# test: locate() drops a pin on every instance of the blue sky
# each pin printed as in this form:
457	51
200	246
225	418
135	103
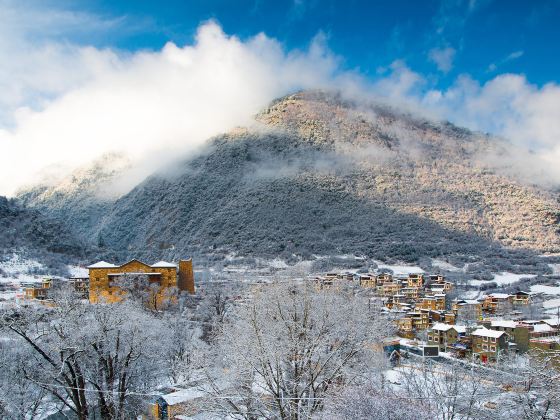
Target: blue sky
484	37
80	79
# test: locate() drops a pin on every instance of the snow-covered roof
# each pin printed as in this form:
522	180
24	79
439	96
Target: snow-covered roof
183	395
471	302
499	295
460	329
163	264
484	332
102	264
503	324
439	326
552	322
542	328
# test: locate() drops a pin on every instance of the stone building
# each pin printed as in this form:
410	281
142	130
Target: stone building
103	277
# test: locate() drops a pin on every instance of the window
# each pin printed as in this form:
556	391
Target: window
484	347
493	339
436	339
492	348
484	338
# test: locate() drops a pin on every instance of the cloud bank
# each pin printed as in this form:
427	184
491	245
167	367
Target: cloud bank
66	105
152	106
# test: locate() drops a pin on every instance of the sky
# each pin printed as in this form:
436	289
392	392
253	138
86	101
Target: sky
83	78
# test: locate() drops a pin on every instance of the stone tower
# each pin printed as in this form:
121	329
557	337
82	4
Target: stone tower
186	276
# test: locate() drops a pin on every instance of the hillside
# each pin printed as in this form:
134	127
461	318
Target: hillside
321	175
31	235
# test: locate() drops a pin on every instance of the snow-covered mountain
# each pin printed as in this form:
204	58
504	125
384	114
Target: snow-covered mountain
320	175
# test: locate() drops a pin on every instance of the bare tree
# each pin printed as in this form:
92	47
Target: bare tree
370	402
286	348
184	349
18	397
451	390
534	385
90	358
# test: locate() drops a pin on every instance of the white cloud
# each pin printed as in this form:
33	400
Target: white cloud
510	57
443	58
515	55
526	115
153	106
66	105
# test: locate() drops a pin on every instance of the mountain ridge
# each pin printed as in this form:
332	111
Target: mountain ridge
311	154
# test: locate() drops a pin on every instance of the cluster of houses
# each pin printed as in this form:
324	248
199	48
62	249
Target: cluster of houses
492	337
424	311
104	281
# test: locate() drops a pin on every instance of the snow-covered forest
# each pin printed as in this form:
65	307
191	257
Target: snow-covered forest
279	350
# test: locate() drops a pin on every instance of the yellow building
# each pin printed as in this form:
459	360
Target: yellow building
384	278
388	289
433	303
496	301
368	281
415	280
38	292
103	275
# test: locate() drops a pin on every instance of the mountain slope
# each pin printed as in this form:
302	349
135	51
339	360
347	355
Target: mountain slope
321	175
28	232
82	199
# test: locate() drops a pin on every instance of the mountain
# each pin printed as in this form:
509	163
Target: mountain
81	199
30	234
319	174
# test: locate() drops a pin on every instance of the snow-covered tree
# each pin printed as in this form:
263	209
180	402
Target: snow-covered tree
90	358
286	348
370	402
451	390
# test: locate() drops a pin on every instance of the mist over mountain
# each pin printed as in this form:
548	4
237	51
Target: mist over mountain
317	175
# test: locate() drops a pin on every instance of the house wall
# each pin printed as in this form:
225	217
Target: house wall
100	286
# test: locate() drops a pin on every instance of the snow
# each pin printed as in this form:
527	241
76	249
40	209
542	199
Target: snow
484	332
163	264
555	269
509	278
444	265
504	324
542	328
499	295
278	263
401	269
503	278
441	327
76	271
471	294
547	290
184	395
102	264
552	303
392	376
17	269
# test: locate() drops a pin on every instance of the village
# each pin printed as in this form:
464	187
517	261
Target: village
429	321
427	311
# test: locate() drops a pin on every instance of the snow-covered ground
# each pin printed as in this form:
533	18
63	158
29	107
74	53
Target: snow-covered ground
76	271
555	269
502	279
444	265
401	269
17	269
547	290
552	305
